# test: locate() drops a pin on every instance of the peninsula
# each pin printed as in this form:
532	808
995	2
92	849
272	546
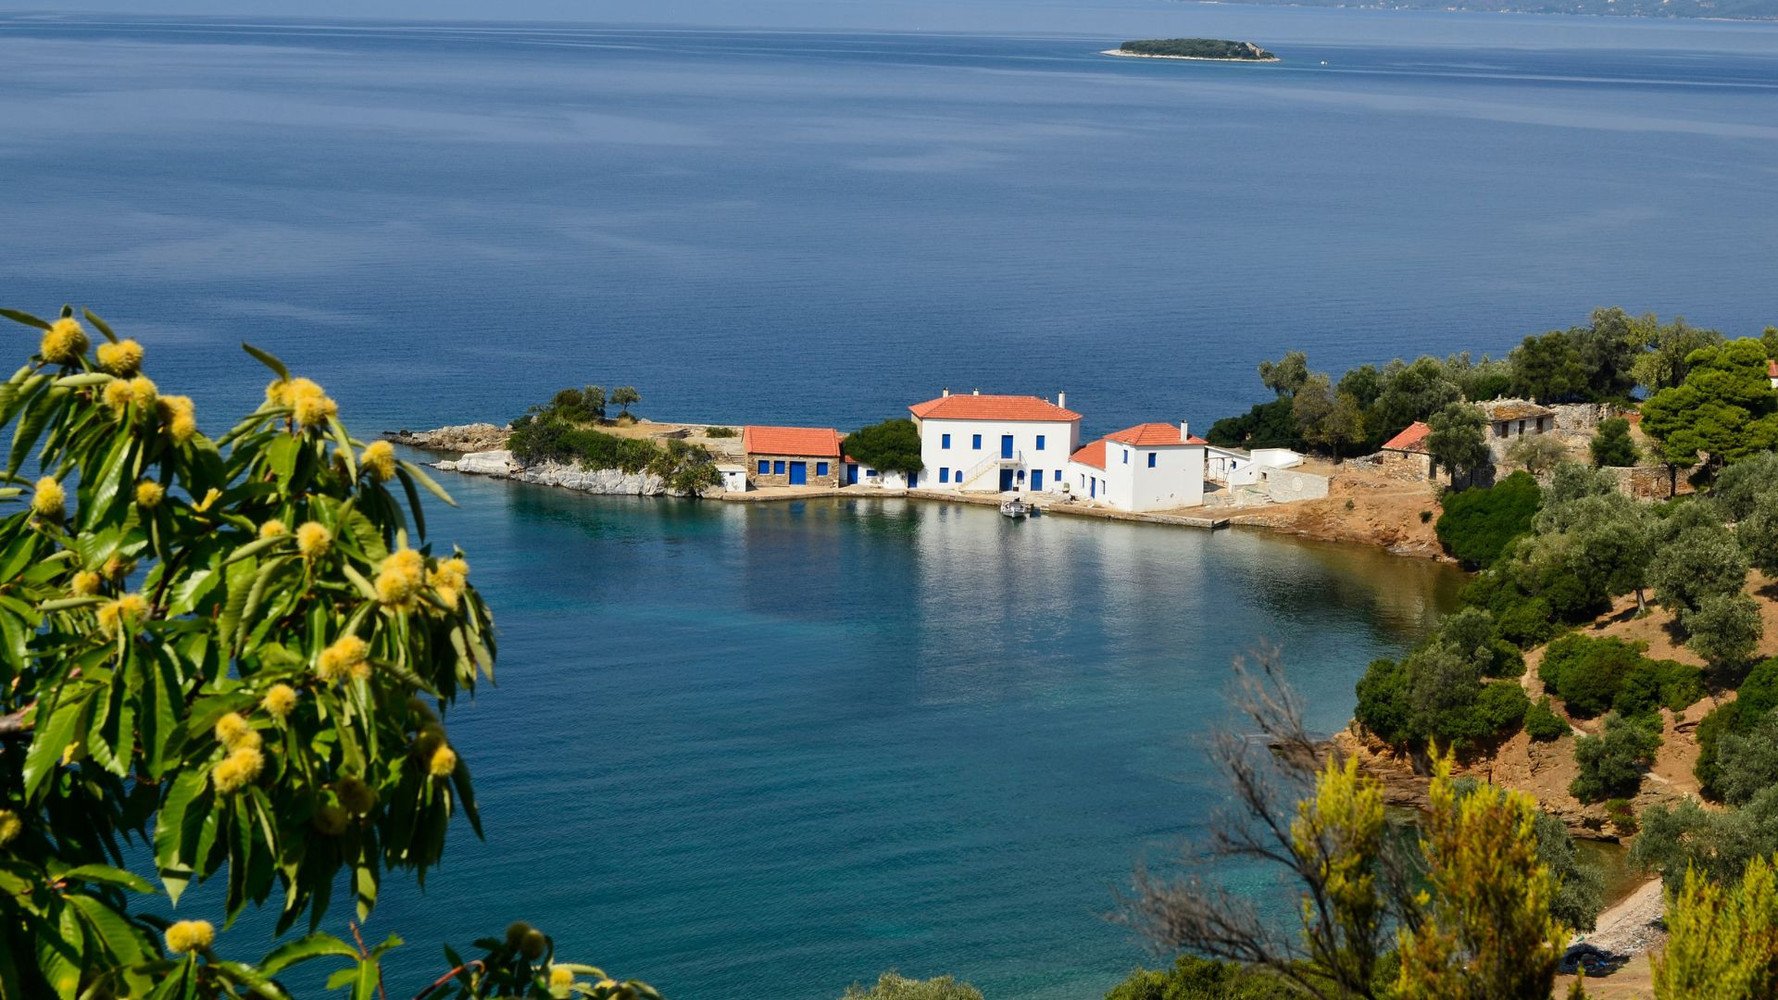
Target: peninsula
1203	49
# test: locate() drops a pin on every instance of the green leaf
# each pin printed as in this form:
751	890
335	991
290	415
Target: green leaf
171	830
304	949
106	875
99	324
432	487
25	318
265	358
52	738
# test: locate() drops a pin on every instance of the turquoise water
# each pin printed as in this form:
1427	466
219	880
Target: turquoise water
772	749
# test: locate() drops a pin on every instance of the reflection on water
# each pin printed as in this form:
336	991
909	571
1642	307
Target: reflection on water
799	743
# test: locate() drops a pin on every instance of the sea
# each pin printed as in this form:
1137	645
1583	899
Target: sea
770	750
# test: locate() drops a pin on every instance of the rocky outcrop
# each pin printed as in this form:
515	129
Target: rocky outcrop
459	438
500	464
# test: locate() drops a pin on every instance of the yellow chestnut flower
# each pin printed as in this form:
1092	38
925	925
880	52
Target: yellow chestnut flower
49	500
277	392
443	763
187	936
125	611
118	396
238	769
117	567
143	392
357	797
273	528
279	701
313	540
123	358
149	494
379	458
234	732
179	417
10	826
400	578
347	656
561	976
64	342
311	403
85	583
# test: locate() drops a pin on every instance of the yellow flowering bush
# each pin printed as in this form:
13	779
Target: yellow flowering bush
186	672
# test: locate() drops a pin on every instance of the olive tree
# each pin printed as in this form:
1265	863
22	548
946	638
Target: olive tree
239	651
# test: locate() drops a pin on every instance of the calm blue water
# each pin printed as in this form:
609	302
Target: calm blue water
773	750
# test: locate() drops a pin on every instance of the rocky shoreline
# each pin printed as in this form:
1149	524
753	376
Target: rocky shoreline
459	438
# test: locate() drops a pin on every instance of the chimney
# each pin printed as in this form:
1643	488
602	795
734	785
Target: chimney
978	392
1185	431
945	393
1062	400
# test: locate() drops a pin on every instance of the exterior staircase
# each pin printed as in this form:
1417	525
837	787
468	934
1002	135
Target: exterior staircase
992	464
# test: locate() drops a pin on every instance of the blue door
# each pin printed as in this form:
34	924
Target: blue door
1005	480
913	480
799	473
1037	479
851	475
1092	487
1006	446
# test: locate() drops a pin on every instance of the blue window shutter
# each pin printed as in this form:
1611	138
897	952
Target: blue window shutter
976	442
1126	456
778	468
1040	442
945	441
1151	456
764	467
821	467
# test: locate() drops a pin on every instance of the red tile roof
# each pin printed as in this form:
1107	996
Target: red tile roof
1093	454
821	442
972	407
1771	368
1413	438
1153	435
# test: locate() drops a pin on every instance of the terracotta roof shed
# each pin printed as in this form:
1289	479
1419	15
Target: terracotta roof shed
819	442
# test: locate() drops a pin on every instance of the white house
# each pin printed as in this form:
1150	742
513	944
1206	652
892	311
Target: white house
978	443
1141	468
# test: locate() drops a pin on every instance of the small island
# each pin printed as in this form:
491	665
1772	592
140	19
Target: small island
1211	49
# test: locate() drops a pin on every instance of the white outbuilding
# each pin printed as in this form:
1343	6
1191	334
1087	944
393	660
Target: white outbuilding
978	443
1142	468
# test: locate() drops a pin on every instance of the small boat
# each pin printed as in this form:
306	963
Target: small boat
1015	508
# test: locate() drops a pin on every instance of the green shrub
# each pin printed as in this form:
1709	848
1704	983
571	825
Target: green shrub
1612	446
1622	814
1383	702
1612	763
1477	524
1755	700
1580	885
1193	978
1543	724
1435	694
1528	622
893	987
1654	684
721	432
1500	710
1586	672
1747	760
893	445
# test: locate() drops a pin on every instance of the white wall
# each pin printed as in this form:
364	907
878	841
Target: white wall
1225	466
1177	479
1079	479
1060	440
1276	458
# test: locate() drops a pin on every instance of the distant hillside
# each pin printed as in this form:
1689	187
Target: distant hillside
1762	10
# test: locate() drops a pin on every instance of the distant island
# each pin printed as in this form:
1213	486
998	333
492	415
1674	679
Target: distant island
1746	10
1216	49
